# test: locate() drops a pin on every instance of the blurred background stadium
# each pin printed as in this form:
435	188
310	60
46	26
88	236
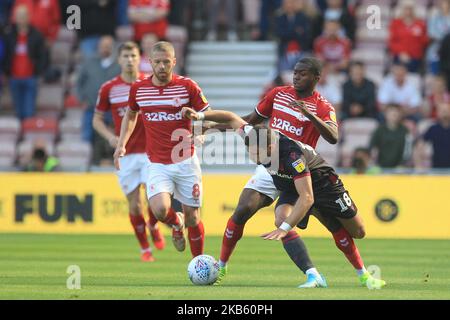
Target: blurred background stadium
386	71
237	50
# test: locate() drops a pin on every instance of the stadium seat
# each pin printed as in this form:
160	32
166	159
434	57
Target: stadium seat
50	97
330	152
7	153
60	53
70	128
9	128
40	128
66	35
124	33
355	133
74	155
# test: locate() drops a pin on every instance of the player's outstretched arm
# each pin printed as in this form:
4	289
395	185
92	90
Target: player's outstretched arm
126	129
219	116
303	204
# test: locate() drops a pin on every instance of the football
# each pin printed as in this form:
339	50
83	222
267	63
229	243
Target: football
203	270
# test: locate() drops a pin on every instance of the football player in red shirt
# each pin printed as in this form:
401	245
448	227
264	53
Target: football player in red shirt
281	107
174	167
113	96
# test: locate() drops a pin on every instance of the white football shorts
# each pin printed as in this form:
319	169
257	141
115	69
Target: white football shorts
182	179
262	182
133	171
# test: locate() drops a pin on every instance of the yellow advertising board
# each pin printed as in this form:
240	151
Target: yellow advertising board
391	206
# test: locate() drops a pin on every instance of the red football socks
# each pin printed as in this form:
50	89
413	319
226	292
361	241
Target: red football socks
345	243
172	218
196	236
233	233
138	224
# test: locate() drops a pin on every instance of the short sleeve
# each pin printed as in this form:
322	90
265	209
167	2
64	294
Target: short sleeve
296	165
327	112
198	100
103	104
132	98
265	106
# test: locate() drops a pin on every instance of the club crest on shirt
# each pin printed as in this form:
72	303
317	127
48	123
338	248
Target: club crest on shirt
299	165
177	102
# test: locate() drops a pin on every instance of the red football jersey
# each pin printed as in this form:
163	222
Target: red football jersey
113	95
161	113
291	122
158	27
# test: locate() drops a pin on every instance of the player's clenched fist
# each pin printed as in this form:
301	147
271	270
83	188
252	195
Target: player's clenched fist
120	152
189	113
300	106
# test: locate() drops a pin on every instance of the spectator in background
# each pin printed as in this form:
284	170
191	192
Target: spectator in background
121	12
42	162
329	89
148	16
438	26
93	73
231	19
388	142
361	162
408	38
439	94
46	17
177	13
98	19
268	8
439	136
251	14
2	56
359	94
332	47
24	61
336	10
399	89
5	11
444	59
293	29
147	42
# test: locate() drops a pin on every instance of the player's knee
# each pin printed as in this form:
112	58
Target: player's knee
160	212
242	214
192	220
135	208
359	233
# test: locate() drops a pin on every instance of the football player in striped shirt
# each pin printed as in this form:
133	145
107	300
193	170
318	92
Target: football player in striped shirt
174	167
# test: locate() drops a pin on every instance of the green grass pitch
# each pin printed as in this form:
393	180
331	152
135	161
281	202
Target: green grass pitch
34	267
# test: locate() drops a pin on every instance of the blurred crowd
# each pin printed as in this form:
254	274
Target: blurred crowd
396	92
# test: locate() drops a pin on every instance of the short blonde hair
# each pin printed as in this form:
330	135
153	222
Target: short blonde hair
163	46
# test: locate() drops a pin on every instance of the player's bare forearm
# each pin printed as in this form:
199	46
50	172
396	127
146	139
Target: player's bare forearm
226	117
126	129
304	202
207	125
301	207
328	130
99	125
253	118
